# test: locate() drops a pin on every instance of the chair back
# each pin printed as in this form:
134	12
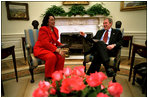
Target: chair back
31	36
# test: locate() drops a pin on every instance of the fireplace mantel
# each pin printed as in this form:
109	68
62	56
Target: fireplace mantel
78	16
80	20
79	23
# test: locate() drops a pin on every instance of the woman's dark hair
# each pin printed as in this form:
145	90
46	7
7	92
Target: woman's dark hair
45	19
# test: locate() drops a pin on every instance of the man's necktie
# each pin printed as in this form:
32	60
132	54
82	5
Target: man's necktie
105	36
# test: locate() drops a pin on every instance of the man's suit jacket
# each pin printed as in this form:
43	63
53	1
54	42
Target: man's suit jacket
115	38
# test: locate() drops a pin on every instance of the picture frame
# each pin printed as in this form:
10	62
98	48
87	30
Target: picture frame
17	11
132	5
75	2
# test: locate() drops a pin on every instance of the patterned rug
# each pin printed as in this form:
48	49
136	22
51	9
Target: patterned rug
23	67
25	72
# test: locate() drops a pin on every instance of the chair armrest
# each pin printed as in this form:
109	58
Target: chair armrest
118	54
63	46
28	46
117	58
88	58
114	61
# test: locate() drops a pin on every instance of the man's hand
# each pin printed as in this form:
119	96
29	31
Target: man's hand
82	33
110	47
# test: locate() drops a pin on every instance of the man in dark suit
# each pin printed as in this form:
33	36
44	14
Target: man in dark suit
109	41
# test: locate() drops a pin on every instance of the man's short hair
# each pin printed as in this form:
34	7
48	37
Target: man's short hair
110	20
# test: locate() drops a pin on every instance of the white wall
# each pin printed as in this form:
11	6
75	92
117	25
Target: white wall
134	22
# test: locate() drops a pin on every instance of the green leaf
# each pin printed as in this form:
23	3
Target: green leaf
63	95
92	94
98	89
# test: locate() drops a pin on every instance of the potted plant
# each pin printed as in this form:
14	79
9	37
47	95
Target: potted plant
56	11
76	10
98	9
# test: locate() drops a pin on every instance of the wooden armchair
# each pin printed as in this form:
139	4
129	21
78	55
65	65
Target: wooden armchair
31	36
141	68
114	61
141	51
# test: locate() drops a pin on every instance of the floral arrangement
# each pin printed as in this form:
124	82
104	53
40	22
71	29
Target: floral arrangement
75	83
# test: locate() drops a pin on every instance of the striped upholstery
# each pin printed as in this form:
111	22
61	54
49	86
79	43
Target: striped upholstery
31	36
88	58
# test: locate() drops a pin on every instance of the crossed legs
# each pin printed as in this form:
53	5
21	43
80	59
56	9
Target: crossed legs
100	57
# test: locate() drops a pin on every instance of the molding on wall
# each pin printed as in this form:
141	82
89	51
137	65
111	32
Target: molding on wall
13	34
134	32
125	32
15	39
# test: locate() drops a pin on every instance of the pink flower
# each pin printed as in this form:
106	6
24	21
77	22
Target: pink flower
102	86
52	91
66	86
74	83
44	85
67	71
115	89
102	95
39	92
79	70
95	79
57	75
92	81
101	76
77	83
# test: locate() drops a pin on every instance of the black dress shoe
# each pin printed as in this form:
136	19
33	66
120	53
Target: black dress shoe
110	72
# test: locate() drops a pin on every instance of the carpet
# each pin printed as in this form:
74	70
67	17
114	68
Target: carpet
25	71
24	88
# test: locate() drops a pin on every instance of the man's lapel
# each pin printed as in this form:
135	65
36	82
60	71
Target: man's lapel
100	34
111	36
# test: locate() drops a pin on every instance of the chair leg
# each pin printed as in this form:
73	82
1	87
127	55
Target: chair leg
84	64
144	85
114	78
118	66
32	76
115	71
2	88
133	83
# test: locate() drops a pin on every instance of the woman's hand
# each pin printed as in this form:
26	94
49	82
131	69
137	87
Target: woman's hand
62	53
82	33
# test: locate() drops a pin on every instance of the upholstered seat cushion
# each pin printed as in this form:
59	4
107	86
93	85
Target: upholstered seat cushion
36	61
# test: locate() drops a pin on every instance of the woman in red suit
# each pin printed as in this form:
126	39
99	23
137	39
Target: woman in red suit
46	46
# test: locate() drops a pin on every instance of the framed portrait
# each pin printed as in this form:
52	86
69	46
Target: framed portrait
17	11
132	5
75	2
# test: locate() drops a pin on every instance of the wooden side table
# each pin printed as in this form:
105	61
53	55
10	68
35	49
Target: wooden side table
5	52
129	38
